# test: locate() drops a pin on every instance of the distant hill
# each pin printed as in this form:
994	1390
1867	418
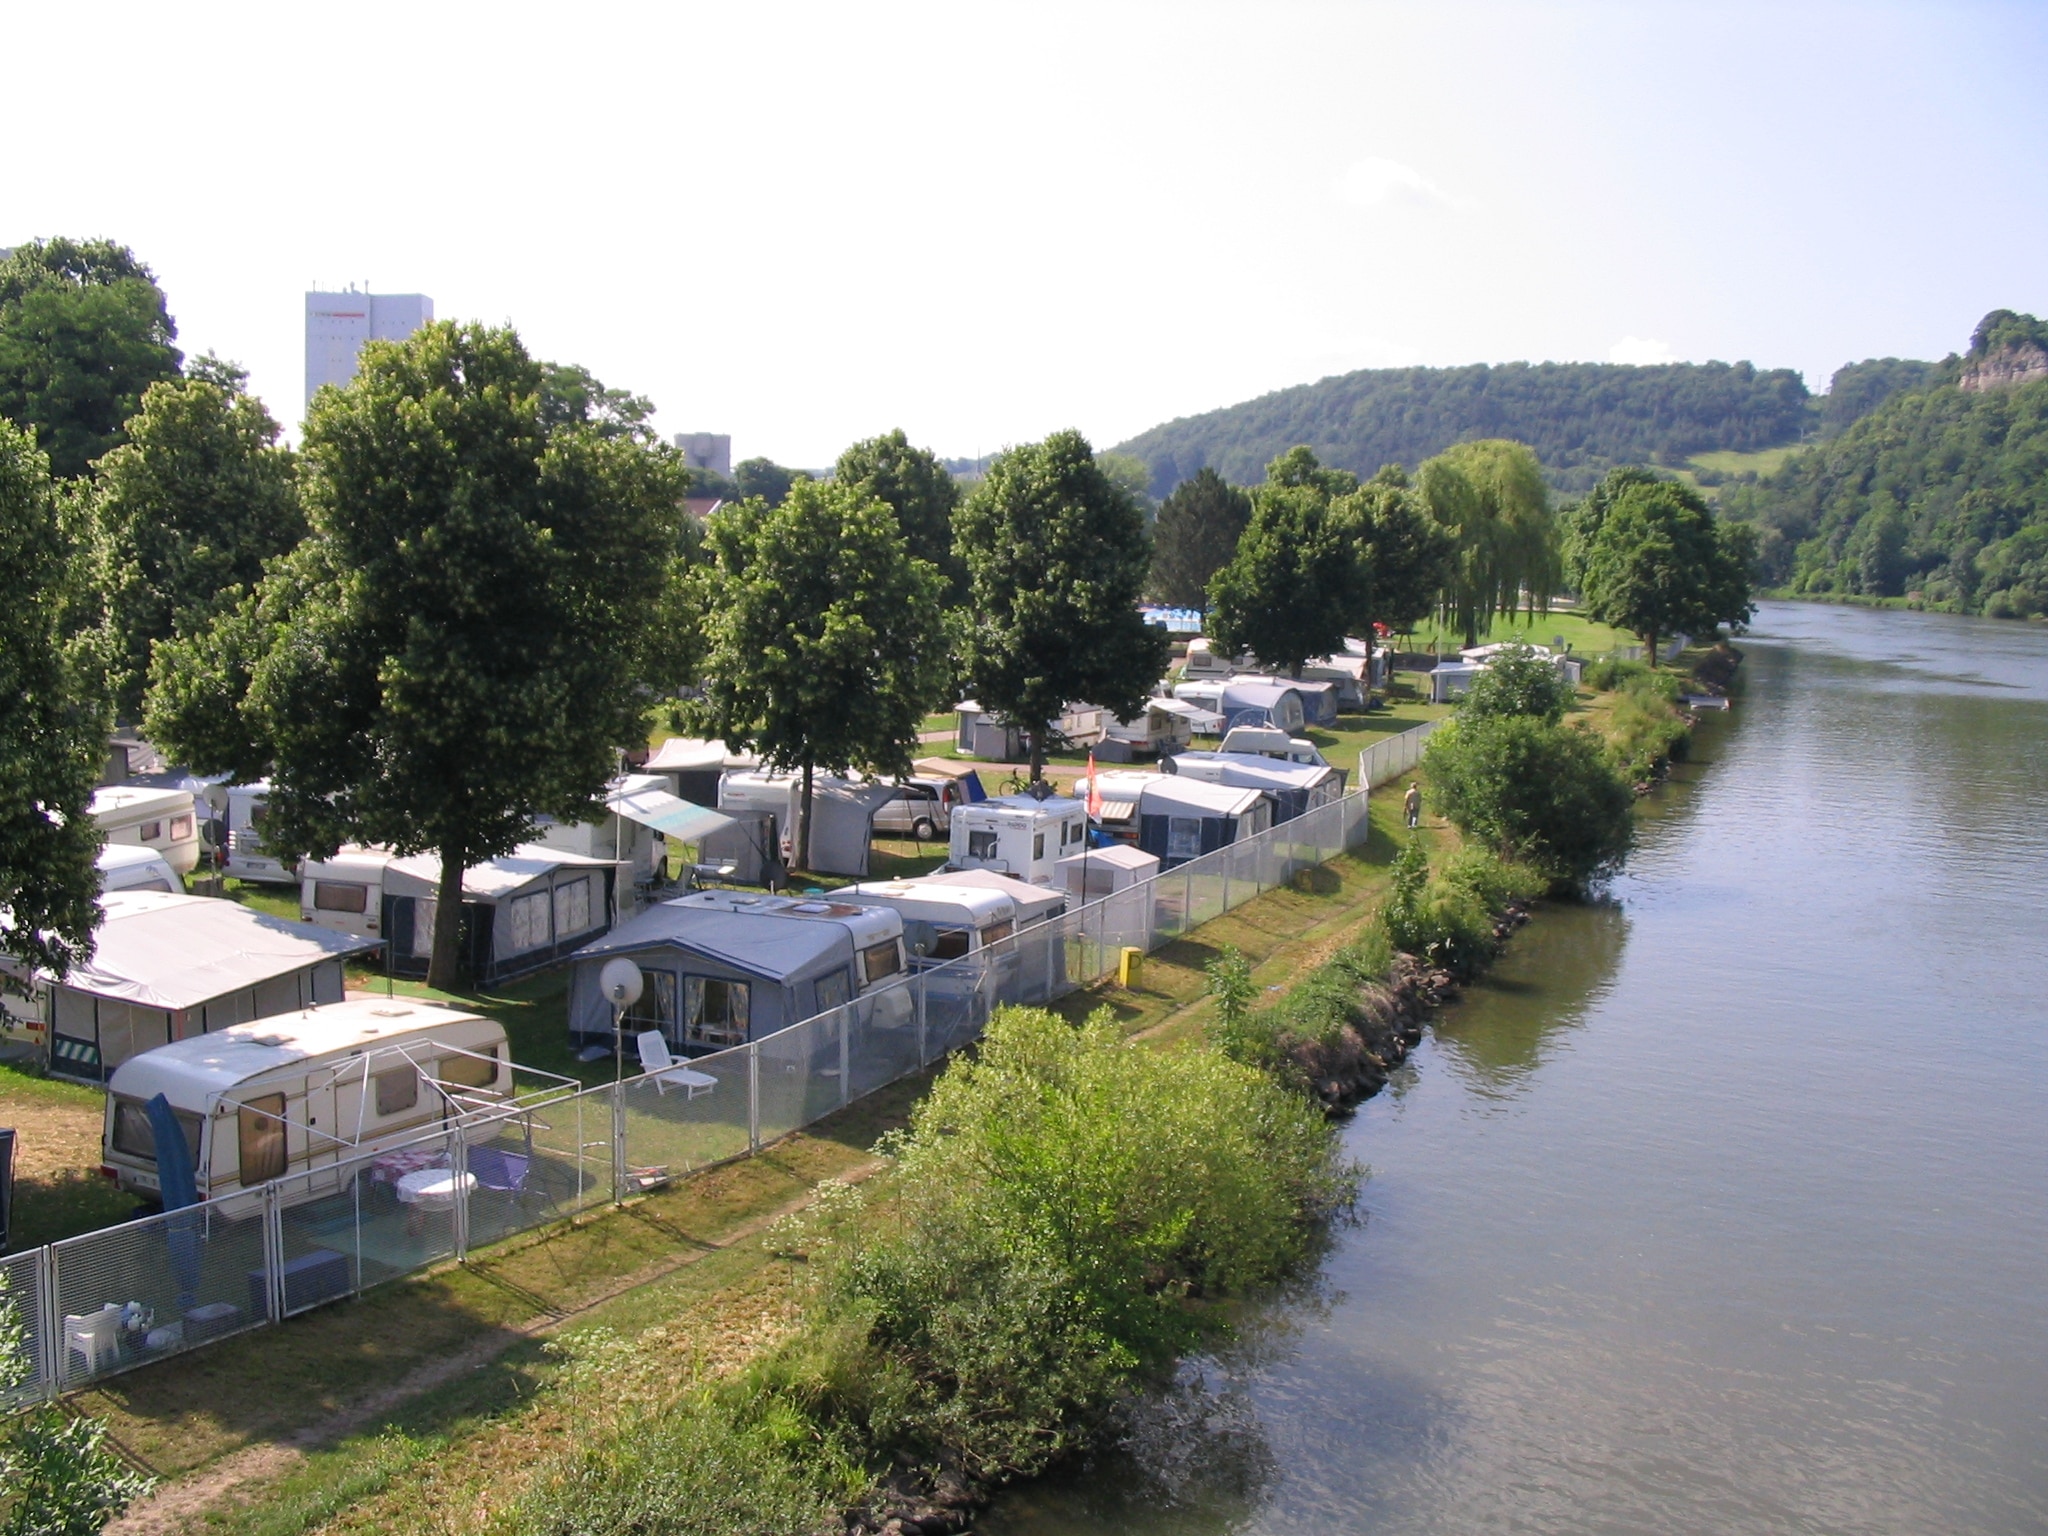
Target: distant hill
1581	418
1939	492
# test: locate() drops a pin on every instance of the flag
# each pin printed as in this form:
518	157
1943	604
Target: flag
1094	789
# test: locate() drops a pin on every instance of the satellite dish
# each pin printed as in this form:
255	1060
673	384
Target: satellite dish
621	982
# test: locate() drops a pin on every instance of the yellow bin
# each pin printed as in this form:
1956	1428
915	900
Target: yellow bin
1129	965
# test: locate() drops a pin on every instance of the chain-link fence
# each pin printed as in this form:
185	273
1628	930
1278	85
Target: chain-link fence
1388	759
107	1301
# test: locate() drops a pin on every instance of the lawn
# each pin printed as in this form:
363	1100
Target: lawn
1584	635
58	1191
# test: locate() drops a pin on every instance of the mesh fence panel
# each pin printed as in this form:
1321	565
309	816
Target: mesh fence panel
799	1075
957	996
21	1300
882	1035
571	1141
687	1118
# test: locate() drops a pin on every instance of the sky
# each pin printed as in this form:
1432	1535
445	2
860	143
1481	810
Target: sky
806	224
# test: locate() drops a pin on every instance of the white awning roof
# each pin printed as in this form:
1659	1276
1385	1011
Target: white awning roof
667	814
177	952
692	752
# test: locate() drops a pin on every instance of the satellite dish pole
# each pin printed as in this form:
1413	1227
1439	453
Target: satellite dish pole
621	983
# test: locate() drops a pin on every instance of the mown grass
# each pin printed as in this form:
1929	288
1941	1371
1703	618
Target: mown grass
1583	634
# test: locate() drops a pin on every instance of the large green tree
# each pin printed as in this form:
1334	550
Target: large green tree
1194	537
1536	792
1299	579
1651	558
1489	496
185	513
459	645
919	490
764	479
1407	551
83	333
826	635
1056	556
52	730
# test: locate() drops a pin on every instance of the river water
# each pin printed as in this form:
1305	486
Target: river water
1719	1208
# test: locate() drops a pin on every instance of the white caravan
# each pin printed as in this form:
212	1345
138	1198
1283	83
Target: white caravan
127	867
1018	835
163	819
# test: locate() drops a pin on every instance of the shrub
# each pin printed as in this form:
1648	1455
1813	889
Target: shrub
1610	673
1517	681
1543	795
1646	726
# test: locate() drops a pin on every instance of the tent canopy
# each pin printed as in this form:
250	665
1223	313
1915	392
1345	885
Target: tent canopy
177	952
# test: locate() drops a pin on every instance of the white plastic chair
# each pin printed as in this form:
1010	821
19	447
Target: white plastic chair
655	1060
96	1335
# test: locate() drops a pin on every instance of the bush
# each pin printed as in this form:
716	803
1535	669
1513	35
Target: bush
1543	795
1646	727
1517	681
1610	673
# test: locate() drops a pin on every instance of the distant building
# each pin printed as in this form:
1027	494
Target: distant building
337	325
707	450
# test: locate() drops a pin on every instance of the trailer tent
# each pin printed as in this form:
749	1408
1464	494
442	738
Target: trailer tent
169	967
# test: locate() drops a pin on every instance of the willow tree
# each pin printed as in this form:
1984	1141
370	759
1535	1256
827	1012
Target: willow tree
460	644
1490	498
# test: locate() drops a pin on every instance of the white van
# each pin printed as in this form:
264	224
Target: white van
1018	835
163	819
129	867
307	1093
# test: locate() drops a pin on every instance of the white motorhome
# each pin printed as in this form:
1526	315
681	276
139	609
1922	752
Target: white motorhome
129	867
244	856
1018	835
163	819
306	1093
940	922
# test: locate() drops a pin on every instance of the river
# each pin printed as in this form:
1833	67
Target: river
1721	1207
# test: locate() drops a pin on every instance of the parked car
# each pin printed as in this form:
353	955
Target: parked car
920	808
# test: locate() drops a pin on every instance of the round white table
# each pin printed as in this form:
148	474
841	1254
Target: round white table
433	1189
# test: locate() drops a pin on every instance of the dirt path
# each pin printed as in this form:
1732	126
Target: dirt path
180	1504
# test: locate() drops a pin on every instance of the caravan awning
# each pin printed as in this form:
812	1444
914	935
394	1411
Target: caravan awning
668	814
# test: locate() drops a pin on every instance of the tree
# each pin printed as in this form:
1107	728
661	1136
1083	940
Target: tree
1056	557
1299	579
57	1478
1490	498
458	647
763	479
1533	792
1407	552
920	491
574	396
185	513
1517	681
826	638
83	332
1194	537
52	732
1653	560
1134	475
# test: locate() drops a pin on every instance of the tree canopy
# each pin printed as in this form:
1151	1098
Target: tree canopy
457	647
1517	681
919	490
573	396
1194	536
1407	552
184	515
1651	558
52	731
826	640
1490	499
1056	556
1299	579
763	479
1533	792
83	332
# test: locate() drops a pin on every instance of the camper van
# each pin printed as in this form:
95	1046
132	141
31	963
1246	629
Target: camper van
303	1093
163	819
920	807
1018	835
243	854
127	867
1264	741
721	968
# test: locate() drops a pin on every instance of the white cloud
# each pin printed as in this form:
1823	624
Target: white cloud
1379	183
1641	349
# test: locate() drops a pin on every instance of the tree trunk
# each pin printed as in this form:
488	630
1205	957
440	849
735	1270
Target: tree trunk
444	970
1652	658
1038	754
803	822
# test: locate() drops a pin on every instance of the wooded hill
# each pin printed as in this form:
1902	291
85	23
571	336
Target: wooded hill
1939	492
1581	418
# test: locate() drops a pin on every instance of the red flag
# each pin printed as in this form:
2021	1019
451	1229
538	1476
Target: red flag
1094	790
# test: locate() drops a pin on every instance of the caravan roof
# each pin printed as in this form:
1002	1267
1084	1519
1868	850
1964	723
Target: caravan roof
938	899
690	752
176	952
1035	903
197	1070
1251	770
492	880
780	937
1166	792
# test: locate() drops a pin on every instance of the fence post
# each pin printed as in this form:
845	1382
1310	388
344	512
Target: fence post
753	1095
845	1055
923	1045
618	1143
458	1165
53	1353
273	1251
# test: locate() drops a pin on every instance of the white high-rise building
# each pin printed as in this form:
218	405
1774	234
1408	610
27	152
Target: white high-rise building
337	325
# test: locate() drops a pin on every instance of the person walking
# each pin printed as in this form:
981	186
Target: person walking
1412	804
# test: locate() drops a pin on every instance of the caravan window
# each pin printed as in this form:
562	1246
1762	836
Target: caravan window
572	906
1071	832
135	1137
880	960
715	1011
398	1090
259	1128
181	828
948	944
1037	846
528	921
981	845
151	831
340	896
995	933
1183	837
478	1071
